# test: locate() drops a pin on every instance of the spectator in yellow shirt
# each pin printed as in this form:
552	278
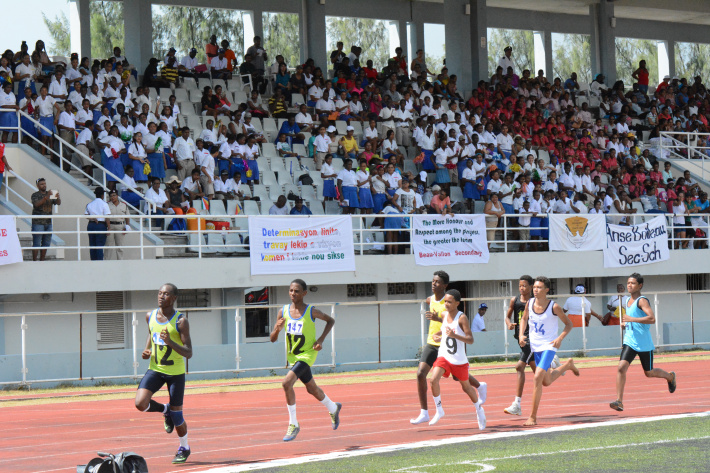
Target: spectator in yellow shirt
349	143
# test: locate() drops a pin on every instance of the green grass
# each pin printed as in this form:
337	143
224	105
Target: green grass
675	445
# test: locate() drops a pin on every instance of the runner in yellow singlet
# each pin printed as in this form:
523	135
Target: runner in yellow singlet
302	346
430	351
167	347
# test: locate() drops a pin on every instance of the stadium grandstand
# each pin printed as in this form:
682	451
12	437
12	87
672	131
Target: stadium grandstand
213	199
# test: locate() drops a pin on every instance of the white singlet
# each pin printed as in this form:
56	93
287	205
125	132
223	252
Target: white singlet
452	349
543	327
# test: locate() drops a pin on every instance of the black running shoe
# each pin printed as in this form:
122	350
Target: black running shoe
168	423
181	455
671	384
617	406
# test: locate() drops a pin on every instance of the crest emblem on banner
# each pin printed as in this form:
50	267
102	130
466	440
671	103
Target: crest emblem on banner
577	230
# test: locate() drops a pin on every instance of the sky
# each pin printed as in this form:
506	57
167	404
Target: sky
13	33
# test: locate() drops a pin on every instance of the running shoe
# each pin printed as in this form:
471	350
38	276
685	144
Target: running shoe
291	433
617	406
513	410
335	417
671	384
481	417
483	392
423	417
168	423
181	455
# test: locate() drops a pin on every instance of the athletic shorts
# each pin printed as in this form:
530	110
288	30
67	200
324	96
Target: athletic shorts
153	381
429	354
525	353
303	371
646	357
458	371
543	359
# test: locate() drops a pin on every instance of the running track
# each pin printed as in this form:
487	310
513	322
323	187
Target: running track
245	427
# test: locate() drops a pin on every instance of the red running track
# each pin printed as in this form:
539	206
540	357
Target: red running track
246	427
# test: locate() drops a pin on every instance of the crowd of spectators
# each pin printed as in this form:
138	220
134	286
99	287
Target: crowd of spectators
414	142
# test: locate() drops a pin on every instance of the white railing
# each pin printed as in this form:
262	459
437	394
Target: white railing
242	346
63	145
9	190
203	242
687	146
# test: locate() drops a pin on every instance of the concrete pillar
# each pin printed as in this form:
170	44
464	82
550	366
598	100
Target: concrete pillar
418	39
603	41
313	43
549	66
80	21
458	53
670	50
138	27
404	40
478	29
258	19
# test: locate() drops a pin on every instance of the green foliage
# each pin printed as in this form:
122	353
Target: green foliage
371	35
523	49
106	28
629	52
59	31
434	63
281	36
186	27
572	53
692	59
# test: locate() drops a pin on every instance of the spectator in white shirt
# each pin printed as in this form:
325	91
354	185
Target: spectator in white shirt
66	126
320	147
219	66
477	323
85	144
156	196
575	305
97	209
184	149
280	207
187	65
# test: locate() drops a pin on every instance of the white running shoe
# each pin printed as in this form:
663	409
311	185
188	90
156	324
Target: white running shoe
423	417
513	410
437	417
481	417
483	392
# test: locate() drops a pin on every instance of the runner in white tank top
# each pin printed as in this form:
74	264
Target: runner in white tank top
455	334
542	315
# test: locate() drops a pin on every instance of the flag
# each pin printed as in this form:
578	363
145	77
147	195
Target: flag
238	210
206	204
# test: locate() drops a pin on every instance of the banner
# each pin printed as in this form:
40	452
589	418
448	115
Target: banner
439	240
637	244
583	232
295	245
10	251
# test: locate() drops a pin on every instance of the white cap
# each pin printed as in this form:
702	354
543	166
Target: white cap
349	128
331	129
422	176
579	289
666	77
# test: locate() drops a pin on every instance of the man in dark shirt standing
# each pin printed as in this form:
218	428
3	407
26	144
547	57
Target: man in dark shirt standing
42	202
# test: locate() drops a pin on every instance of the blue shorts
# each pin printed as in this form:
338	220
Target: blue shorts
543	359
153	381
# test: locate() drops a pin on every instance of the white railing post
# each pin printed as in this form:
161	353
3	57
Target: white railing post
23	327
237	319
655	311
199	237
78	239
505	332
332	336
134	334
140	234
584	329
422	313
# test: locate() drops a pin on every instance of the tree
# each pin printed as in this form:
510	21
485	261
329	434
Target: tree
572	53
281	36
59	31
629	52
186	27
523	46
692	59
106	29
371	35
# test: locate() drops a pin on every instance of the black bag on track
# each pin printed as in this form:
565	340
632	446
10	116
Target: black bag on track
125	462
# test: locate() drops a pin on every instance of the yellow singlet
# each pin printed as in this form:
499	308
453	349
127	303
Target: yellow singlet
439	308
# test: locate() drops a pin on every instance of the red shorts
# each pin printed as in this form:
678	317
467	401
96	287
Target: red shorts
460	371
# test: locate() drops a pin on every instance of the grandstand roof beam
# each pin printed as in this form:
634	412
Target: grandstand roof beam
80	24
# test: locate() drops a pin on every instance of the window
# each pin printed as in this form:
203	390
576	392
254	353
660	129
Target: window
697	282
401	288
362	290
110	328
257	318
193	298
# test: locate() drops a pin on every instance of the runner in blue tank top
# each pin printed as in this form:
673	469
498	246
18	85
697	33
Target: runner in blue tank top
637	340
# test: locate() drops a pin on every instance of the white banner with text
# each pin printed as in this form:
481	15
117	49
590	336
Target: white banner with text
10	251
583	232
441	240
295	245
636	244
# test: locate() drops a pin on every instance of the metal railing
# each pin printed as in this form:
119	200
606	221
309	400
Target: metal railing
687	146
65	146
241	346
366	237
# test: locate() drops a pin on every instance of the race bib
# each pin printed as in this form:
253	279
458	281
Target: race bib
294	328
157	340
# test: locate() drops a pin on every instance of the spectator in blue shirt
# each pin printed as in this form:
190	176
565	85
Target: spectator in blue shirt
300	209
291	130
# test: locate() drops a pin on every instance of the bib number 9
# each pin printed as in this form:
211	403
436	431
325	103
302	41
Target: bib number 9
451	345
